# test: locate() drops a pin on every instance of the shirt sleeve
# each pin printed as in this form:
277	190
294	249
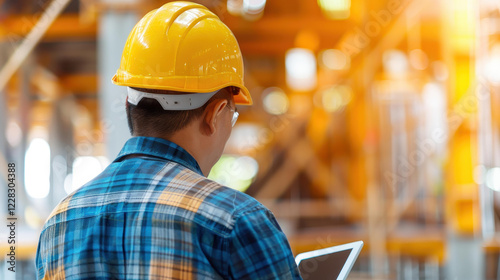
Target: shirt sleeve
259	249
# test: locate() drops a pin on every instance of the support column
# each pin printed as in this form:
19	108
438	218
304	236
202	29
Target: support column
113	30
465	257
464	248
4	158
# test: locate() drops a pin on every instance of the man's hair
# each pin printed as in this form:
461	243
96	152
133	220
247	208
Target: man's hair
148	118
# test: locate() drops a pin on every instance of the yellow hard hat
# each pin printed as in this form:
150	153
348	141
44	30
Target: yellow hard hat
184	47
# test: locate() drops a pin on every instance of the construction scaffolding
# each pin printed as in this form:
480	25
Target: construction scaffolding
394	140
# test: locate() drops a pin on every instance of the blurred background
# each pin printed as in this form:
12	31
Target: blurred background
373	120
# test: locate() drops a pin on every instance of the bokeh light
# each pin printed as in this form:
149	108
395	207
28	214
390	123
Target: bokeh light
234	7
418	59
32	218
395	63
336	98
247	137
85	168
14	133
37	168
301	69
439	71
236	172
334	59
253	9
275	101
493	178
335	9
479	174
492	70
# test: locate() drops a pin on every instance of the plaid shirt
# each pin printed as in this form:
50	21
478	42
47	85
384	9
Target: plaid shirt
153	215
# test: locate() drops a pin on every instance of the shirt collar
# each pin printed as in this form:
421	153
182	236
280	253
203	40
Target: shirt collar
159	148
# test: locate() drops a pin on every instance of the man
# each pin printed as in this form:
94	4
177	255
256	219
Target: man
152	214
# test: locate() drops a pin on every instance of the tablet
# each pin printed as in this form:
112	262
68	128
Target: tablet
330	263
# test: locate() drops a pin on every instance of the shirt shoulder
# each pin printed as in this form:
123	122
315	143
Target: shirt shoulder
164	189
215	204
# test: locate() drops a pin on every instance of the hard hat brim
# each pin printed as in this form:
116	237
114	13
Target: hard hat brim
242	98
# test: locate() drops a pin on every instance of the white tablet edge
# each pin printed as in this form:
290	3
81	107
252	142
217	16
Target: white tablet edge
346	268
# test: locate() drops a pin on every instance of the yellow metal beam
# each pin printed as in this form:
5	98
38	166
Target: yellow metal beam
31	40
303	208
51	86
80	83
16	27
297	156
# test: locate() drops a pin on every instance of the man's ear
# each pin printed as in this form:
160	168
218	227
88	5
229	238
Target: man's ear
214	109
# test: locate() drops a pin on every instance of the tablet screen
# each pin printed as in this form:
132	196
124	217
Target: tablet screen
329	263
326	266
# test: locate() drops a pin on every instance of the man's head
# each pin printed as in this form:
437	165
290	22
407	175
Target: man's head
184	70
203	131
149	118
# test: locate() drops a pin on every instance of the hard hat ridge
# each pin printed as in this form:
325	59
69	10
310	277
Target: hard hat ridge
182	47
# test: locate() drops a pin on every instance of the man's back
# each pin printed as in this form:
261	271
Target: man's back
152	215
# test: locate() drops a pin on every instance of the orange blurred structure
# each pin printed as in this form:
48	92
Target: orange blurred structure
372	120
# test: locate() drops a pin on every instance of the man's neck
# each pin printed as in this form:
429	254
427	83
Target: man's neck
193	144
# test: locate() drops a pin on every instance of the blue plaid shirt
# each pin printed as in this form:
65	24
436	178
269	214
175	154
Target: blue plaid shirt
153	215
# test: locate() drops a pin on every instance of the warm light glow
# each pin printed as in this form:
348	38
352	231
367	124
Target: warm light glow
14	133
68	183
493	65
104	161
335	9
493	179
253	9
434	113
248	168
479	174
84	169
59	168
235	172
248	137
395	63
418	59
434	100
440	71
275	101
300	69
253	6
32	218
234	7
37	169
462	20
334	59
336	98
